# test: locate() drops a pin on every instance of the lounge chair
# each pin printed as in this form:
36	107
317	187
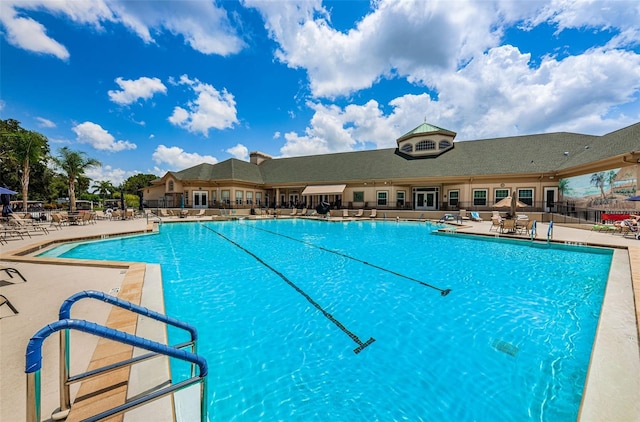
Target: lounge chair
475	216
631	229
345	213
360	213
463	214
200	213
294	212
165	213
5	301
303	212
374	213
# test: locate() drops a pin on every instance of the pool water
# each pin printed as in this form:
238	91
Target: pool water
282	307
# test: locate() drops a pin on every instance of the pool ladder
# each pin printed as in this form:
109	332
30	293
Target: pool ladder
66	323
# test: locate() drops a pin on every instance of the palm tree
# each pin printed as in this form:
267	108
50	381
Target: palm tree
598	179
25	148
73	164
103	188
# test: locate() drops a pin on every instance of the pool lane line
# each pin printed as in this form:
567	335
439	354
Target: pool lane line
355	338
443	292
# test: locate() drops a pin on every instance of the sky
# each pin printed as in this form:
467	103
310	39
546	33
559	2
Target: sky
156	86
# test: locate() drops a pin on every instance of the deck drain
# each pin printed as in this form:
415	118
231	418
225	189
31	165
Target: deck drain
505	347
114	291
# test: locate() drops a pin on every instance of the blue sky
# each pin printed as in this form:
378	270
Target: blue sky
151	86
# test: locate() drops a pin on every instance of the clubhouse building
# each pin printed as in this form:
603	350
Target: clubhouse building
428	171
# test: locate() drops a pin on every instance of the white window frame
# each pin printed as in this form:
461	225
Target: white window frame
382	202
480	201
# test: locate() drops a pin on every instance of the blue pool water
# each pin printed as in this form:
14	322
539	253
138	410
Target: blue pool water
280	307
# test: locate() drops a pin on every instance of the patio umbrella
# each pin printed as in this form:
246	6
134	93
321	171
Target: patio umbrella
511	203
5	199
5	191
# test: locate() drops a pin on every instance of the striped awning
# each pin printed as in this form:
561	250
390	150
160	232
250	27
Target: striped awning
324	190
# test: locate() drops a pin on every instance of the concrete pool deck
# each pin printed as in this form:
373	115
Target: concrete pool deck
611	394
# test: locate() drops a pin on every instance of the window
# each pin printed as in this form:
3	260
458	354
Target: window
358	196
444	144
425	145
239	196
214	198
258	198
249	198
400	198
501	194
226	196
526	196
382	198
479	197
454	198
408	148
170	186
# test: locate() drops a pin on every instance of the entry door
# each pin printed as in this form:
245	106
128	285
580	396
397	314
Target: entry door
200	199
550	199
420	201
430	201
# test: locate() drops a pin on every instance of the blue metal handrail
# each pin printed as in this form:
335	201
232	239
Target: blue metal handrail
65	313
34	364
534	229
550	231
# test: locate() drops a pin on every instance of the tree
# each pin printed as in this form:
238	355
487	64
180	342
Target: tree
74	164
25	149
137	182
598	179
103	188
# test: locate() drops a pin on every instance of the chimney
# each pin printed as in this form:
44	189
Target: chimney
256	157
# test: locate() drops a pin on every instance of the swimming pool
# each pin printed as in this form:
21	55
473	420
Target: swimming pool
282	306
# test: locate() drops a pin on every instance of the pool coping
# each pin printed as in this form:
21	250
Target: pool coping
589	409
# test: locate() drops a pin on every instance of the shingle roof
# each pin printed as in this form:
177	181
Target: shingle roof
231	169
511	155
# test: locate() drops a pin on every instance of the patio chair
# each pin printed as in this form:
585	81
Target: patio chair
345	213
475	216
508	226
496	223
524	226
374	213
360	213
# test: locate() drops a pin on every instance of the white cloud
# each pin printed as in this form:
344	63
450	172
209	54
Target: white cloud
132	90
335	129
239	151
178	159
442	34
94	135
114	175
211	109
45	122
203	25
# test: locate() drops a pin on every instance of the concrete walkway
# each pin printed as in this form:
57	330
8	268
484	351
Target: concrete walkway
612	391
